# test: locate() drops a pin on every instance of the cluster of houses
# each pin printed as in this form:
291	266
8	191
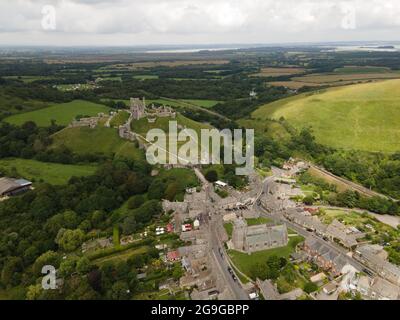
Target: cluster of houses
335	231
375	258
270	291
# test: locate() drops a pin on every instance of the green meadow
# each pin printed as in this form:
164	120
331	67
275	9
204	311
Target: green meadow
202	103
62	113
53	173
363	116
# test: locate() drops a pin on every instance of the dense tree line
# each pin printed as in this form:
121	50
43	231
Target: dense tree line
50	218
241	108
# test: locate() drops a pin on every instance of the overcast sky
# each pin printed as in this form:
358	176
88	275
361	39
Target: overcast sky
143	22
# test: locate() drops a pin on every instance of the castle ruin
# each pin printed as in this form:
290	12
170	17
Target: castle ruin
139	111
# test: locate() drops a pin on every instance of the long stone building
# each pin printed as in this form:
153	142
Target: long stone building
260	237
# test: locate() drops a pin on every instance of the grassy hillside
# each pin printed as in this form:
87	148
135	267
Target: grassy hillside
53	173
119	119
63	113
142	126
100	140
363	116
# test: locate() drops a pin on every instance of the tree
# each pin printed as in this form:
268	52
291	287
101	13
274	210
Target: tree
34	292
67	267
83	266
308	200
135	202
211	176
70	240
273	267
11	270
129	225
95	279
48	258
171	191
156	190
310	287
119	291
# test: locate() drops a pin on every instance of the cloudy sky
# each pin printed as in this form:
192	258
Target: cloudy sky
143	22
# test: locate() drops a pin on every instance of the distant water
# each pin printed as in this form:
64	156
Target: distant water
367	48
189	50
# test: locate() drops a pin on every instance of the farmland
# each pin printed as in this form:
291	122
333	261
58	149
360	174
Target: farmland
63	113
360	116
52	173
203	103
277	72
339	77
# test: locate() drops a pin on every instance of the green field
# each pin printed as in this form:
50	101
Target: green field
52	173
359	69
100	140
363	116
246	262
119	119
29	79
63	113
202	103
145	77
257	221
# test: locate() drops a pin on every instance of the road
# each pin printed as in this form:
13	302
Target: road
217	245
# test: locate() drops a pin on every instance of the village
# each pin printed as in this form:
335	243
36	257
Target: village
216	237
220	234
335	258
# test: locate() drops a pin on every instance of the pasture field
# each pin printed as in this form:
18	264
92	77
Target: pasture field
53	173
362	117
339	77
295	85
330	78
202	103
154	64
63	113
277	72
265	127
361	69
100	140
145	77
12	105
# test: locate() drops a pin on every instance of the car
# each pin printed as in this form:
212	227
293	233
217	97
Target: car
368	272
